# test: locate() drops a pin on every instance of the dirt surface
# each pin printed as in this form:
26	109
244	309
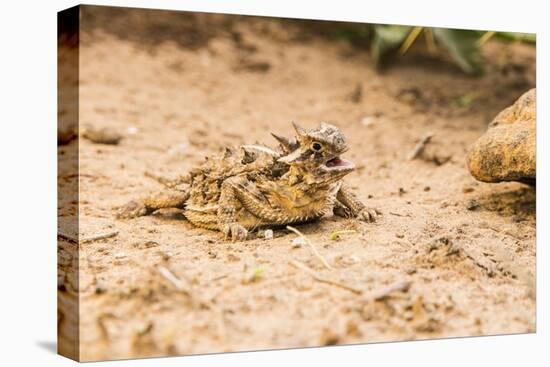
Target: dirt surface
461	254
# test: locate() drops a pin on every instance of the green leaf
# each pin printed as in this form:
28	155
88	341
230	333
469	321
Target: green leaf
387	38
463	48
514	36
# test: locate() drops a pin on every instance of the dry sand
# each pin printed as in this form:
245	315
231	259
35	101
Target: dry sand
467	248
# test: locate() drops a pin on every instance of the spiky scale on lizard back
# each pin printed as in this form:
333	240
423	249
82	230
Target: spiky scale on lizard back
255	186
206	180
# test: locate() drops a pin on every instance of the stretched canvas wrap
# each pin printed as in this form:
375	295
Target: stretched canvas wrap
238	183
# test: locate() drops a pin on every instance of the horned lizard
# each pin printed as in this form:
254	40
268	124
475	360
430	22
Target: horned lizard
254	186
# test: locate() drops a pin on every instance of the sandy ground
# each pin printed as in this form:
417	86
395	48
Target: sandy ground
467	248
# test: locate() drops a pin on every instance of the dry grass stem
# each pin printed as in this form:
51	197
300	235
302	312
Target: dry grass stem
419	148
311	246
321	279
101	236
399	286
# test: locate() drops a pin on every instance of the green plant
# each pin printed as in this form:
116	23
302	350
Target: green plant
462	46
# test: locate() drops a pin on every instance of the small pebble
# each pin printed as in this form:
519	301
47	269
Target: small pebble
65	134
328	337
132	130
472	205
100	288
105	135
268	234
232	258
298	242
61	283
367	121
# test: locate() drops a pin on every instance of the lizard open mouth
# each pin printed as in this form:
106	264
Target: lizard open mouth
338	164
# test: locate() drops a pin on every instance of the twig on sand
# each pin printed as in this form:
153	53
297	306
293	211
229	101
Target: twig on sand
419	148
400	215
321	279
313	248
101	236
174	280
67	236
399	286
75	238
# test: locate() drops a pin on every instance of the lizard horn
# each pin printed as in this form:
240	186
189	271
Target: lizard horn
284	141
299	130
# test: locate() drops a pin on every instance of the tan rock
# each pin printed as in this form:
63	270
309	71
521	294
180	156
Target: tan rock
507	151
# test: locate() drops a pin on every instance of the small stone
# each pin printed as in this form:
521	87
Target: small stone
65	134
268	234
298	242
367	121
467	189
105	135
328	337
100	288
132	130
166	255
472	205
427	188
232	258
61	283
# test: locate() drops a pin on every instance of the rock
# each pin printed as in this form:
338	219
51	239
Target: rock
472	205
507	151
104	135
268	234
65	134
298	242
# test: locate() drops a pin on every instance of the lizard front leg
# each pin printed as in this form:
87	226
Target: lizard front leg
228	204
159	200
355	208
341	210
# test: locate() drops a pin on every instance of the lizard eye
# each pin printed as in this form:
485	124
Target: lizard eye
316	147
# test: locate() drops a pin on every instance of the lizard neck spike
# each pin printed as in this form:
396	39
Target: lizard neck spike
285	142
299	130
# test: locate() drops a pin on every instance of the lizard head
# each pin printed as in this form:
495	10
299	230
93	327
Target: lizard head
316	153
